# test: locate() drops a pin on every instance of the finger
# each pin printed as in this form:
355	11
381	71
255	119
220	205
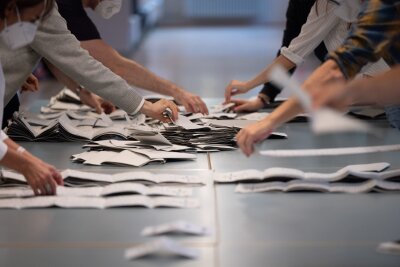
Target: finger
249	146
57	177
35	189
174	109
203	106
51	186
42	187
189	107
228	93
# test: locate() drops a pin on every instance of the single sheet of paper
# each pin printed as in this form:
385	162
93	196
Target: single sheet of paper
329	151
161	246
176	227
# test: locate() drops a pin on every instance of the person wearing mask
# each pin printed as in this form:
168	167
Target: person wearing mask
57	45
330	20
18	25
85	31
296	16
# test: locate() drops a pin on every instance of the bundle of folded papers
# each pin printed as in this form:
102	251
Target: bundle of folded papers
350	179
100	191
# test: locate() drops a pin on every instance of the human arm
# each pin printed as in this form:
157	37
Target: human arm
42	177
254	133
381	90
54	42
318	26
139	76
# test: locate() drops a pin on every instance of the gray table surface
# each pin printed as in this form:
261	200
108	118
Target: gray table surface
275	229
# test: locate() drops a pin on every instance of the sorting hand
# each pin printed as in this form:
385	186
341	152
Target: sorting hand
234	88
31	84
242	105
252	134
157	109
96	102
192	103
42	177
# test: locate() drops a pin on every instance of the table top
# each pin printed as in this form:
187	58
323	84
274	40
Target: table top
271	229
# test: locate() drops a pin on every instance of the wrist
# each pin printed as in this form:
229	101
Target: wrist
262	100
146	108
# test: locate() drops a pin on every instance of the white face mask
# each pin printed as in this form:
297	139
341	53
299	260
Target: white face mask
18	34
108	8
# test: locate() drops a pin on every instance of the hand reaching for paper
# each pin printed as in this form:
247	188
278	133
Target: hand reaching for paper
157	109
42	177
96	102
252	134
243	105
234	88
192	103
31	84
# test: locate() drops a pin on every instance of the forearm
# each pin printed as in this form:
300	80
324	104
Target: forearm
262	77
380	90
284	113
61	77
139	76
132	72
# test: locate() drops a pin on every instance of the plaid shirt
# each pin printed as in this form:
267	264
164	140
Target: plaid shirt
375	35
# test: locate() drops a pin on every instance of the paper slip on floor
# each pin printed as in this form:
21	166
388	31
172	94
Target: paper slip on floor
163	246
178	227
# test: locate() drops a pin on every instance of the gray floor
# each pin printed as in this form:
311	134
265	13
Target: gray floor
299	229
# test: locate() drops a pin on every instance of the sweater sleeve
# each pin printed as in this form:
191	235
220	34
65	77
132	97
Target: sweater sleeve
55	42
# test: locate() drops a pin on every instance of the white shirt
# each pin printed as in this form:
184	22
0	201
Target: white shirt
3	136
328	23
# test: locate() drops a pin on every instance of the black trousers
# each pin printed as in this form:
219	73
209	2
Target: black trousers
9	110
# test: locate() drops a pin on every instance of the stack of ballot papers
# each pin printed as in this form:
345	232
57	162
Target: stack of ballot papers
65	129
350	179
100	191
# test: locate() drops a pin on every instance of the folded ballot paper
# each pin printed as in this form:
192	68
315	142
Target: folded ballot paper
350	179
362	171
98	202
103	191
80	178
391	247
178	227
163	246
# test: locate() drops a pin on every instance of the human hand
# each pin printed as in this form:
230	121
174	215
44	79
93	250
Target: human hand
242	105
42	177
157	109
192	103
96	102
31	84
234	88
252	134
